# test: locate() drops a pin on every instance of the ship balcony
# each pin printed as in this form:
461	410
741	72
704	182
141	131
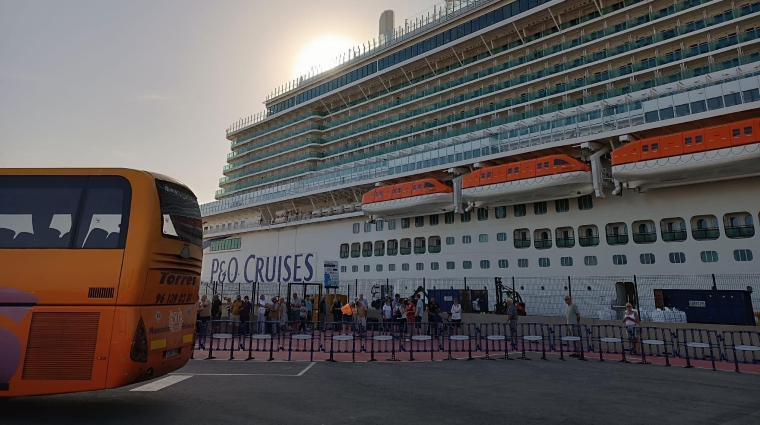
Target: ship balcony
543	243
406	251
355	253
587	241
248	137
419	249
674	235
379	252
738	232
565	242
617	239
522	243
344	254
645	237
392	251
433	249
705	234
367	253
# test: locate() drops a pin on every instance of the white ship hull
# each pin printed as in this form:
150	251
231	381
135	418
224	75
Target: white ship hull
545	188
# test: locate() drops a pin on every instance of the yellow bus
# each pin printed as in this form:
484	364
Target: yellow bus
99	276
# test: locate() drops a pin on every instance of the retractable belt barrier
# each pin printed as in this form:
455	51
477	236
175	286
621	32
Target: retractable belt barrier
442	340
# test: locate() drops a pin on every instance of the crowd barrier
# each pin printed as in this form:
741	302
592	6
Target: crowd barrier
489	341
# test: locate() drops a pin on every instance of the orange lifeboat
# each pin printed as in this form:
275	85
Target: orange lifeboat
425	196
535	180
706	154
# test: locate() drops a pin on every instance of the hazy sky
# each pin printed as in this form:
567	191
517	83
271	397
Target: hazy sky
154	84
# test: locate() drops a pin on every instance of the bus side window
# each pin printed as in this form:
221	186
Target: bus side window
103	221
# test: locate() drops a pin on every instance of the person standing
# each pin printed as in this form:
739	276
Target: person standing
363	301
411	314
261	309
418	311
336	311
245	313
322	313
512	320
573	318
274	315
348	316
283	308
216	311
204	313
387	315
456	316
361	314
399	314
235	313
306	313
295	315
632	323
434	316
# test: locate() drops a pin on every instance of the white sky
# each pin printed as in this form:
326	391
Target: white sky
154	84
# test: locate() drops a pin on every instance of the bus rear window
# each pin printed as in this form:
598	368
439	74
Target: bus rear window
180	213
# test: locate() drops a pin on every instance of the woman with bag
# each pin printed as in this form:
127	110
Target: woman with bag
633	325
399	314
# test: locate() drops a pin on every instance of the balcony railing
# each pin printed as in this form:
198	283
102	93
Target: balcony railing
355	253
617	239
434	249
379	252
565	242
406	251
543	243
645	237
419	249
392	251
344	254
738	232
588	241
367	253
674	235
705	234
522	243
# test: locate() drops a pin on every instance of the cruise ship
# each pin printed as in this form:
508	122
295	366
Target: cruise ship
551	142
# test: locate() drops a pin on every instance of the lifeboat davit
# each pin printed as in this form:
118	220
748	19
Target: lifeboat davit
541	179
426	196
727	151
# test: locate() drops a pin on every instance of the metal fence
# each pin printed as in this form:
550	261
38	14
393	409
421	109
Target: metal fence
599	297
442	340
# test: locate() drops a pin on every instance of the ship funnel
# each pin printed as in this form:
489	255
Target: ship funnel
387	26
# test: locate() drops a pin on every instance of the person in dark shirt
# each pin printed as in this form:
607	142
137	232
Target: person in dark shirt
434	316
245	313
216	312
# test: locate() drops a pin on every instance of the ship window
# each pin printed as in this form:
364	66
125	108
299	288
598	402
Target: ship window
405	223
379	267
501	237
590	260
566	261
406	246
538	166
677	257
392	247
585	202
698	139
466	264
520	210
405	267
503	264
522	263
449	217
687	141
367	227
501	212
619	260
366	268
705	228
747	130
343	269
379	225
517	170
483	238
715	103
466	239
450	265
344	250
655	146
646	258
429	185
562	205
465	217
419	221
734	227
543	262
539	208
742	255
560	162
419	245
356	228
450	240
522	238
645	148
434	220
482	214
751	95
356	250
367	249
392	224
708	256
736	132
355	269
434	266
485	264
682	110
698	106
379	248
391	267
420	266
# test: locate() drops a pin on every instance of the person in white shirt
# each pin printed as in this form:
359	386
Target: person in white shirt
262	310
387	315
456	316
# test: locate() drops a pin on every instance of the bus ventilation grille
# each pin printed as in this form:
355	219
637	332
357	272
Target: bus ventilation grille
61	346
100	293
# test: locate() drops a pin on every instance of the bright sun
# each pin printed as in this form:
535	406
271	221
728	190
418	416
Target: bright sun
321	53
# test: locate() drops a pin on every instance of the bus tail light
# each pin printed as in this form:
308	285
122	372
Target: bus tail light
139	351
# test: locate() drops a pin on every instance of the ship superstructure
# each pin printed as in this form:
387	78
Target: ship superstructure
507	138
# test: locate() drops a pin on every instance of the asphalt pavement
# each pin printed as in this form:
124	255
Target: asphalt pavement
442	392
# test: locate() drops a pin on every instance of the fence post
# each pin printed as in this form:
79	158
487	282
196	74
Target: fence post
513	284
715	286
423	285
356	288
569	287
636	294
